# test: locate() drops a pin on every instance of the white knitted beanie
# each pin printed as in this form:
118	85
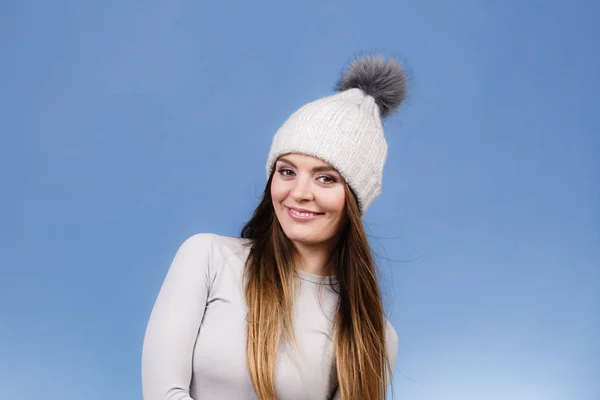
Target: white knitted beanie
345	129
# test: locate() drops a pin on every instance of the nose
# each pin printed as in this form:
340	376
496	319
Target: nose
302	191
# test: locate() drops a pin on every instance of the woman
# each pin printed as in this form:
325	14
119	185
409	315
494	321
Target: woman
292	309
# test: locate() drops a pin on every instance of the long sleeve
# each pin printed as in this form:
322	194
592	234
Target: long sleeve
175	322
392	350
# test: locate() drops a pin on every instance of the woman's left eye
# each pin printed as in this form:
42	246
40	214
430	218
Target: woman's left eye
327	179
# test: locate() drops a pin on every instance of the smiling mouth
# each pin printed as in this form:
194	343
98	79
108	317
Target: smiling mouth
302	214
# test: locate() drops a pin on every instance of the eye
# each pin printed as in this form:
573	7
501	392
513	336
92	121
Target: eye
327	179
285	171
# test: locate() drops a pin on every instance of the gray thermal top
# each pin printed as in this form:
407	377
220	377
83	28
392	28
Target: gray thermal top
194	347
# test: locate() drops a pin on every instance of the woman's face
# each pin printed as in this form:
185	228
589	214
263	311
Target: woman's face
309	199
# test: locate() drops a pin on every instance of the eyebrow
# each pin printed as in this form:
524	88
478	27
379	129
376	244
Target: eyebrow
320	168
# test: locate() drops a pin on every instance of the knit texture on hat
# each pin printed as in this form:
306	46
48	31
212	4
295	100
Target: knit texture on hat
345	129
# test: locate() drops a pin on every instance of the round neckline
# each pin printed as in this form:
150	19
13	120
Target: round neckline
307	276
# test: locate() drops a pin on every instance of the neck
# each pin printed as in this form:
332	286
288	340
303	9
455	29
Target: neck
312	258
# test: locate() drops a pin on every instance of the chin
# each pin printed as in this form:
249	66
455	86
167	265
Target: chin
310	236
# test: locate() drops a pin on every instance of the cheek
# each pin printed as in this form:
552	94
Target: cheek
335	203
277	191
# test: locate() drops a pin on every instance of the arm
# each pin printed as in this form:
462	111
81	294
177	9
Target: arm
392	350
174	323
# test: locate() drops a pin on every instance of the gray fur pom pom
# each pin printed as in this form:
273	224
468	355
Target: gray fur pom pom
384	80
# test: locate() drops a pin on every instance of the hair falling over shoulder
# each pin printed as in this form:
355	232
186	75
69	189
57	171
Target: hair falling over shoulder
359	330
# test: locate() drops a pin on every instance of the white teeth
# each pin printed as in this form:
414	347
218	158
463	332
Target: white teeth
302	214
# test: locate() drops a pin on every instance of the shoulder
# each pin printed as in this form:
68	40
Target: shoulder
213	240
214	247
202	256
391	341
391	333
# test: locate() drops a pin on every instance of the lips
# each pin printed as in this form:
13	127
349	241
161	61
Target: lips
301	215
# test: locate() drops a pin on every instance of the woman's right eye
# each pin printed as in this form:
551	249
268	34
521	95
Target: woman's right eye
285	171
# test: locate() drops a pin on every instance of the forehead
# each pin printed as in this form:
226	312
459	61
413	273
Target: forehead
304	160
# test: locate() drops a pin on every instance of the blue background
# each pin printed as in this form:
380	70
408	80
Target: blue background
127	126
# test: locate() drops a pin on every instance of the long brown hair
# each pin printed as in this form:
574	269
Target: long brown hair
359	328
